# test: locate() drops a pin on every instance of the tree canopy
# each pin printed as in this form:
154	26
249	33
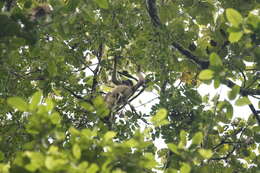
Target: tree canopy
57	57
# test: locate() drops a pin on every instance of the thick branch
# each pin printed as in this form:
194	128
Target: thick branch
255	113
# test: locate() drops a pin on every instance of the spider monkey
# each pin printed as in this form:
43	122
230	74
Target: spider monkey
123	90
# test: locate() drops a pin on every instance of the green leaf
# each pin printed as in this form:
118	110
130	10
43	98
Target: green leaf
76	151
183	139
87	106
99	102
160	118
206	74
197	138
52	68
253	20
93	168
55	164
173	148
234	92
49	104
109	135
235	36
131	143
55	118
215	60
2	156
242	101
234	17
18	103
205	153
185	168
36	160
36	98
102	3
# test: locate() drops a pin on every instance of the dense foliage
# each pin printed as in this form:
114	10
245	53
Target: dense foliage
56	61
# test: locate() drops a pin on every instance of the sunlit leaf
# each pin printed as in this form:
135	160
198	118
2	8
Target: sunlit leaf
93	168
160	118
54	164
185	168
183	139
76	151
215	60
36	98
109	135
55	118
242	101
49	104
234	17
18	103
235	36
206	74
205	153
197	138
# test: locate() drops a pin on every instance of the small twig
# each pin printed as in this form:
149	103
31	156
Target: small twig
146	102
97	69
75	95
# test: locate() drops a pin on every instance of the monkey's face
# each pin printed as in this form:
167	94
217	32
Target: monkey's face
128	83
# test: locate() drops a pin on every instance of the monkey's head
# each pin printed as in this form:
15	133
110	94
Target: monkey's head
40	11
128	82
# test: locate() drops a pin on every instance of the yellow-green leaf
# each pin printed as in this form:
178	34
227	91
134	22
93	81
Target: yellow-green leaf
109	135
206	74
183	141
36	98
102	3
18	103
76	151
131	143
242	101
54	164
185	168
235	36
49	104
234	17
93	168
55	118
215	60
87	106
197	138
99	101
205	153
160	118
